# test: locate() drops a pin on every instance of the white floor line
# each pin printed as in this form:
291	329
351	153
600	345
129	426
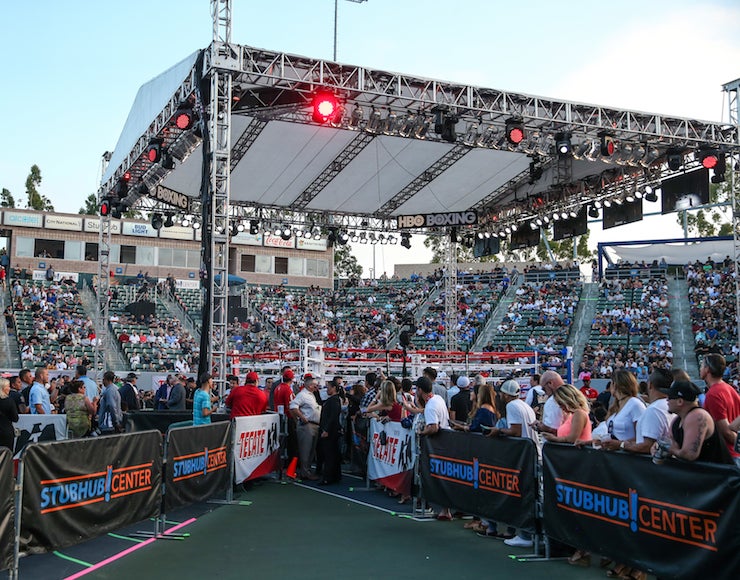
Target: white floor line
331	493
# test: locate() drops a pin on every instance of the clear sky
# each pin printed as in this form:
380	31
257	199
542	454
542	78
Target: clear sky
72	68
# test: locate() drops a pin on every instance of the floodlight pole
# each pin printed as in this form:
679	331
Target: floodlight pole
222	61
336	13
733	93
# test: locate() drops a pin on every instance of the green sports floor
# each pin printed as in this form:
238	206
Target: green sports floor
290	530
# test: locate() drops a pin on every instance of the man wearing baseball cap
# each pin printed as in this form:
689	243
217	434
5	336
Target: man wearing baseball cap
129	393
695	435
246	400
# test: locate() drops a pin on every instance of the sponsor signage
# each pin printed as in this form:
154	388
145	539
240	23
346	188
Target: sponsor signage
256	446
41	275
314	245
36	428
82	488
27	220
391	458
53	222
247	239
92	225
493	477
674	520
177	233
170	197
278	242
437	220
138	229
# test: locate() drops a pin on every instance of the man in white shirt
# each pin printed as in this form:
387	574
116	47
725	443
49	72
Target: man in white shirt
655	423
305	408
552	414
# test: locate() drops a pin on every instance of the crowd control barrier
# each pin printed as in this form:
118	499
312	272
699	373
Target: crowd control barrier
197	463
36	428
78	489
7	509
391	457
492	477
674	520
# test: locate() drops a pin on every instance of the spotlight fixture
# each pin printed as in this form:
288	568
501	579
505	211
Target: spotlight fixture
184	117
674	158
593	212
563	144
354	237
285	234
240	227
650	194
186	221
157	221
196	225
363	238
382	240
343	238
167	161
514	130
514	227
392	240
106	207
373	122
719	169
169	221
618	200
445	122
607	203
406	240
479	235
154	151
373	239
607	144
254	227
708	158
326	107
234	229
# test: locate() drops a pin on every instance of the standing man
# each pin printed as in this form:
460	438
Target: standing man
176	400
307	413
722	401
655	423
247	400
461	403
552	414
110	415
91	388
39	399
163	394
26	377
439	388
15	393
129	393
282	398
202	401
330	434
695	436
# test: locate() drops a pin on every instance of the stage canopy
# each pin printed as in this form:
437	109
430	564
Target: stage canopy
399	145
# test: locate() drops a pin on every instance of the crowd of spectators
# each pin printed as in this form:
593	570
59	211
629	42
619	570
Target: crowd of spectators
712	307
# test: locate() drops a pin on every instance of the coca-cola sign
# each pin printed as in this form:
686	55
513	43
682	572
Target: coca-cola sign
278	242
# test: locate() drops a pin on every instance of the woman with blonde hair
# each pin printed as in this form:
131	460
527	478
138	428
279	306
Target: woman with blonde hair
8	415
386	404
577	425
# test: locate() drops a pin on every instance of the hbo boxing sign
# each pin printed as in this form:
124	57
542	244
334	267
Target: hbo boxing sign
438	220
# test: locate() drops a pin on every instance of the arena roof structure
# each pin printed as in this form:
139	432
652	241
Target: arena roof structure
235	133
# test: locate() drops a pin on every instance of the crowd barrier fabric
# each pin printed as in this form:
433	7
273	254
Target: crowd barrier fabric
392	463
36	428
256	446
7	509
674	520
197	465
492	477
81	488
161	420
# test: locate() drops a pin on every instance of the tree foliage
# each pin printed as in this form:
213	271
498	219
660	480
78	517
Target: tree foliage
7	199
345	263
91	205
715	221
35	199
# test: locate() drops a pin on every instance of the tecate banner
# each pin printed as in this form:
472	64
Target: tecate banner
256	446
392	455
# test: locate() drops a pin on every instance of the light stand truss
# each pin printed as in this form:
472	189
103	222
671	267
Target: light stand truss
221	61
733	92
451	292
103	293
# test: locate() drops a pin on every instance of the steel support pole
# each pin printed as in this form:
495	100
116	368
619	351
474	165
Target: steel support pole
451	292
103	283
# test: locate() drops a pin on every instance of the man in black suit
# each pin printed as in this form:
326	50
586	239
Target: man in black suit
330	434
130	394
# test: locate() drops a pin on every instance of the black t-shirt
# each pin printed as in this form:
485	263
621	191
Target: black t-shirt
17	398
461	405
713	450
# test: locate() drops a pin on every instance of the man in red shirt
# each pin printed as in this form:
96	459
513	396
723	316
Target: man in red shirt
722	401
247	400
282	397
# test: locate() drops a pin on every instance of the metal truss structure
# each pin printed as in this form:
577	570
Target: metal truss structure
103	285
451	293
733	93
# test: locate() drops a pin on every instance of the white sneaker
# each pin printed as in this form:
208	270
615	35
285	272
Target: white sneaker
519	542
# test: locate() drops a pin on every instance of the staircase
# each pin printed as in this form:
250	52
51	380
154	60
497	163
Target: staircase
177	311
681	335
114	359
582	321
490	329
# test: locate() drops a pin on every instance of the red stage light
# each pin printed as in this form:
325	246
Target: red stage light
105	207
325	107
709	160
154	153
183	119
126	176
514	131
607	146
